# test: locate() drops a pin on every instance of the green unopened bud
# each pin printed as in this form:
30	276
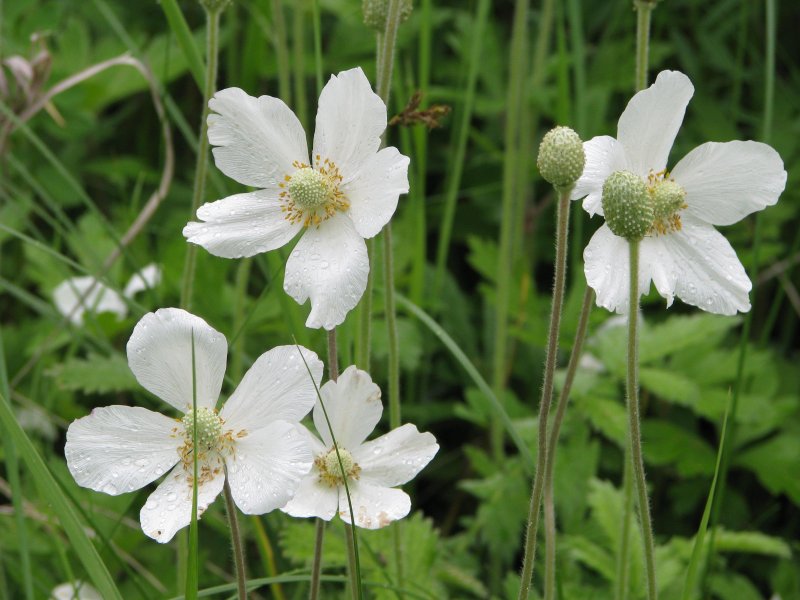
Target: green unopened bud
561	157
376	11
626	205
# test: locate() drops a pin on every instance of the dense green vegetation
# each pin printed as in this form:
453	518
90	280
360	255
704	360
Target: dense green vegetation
78	173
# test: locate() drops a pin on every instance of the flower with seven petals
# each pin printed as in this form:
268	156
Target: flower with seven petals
373	469
255	440
715	184
345	193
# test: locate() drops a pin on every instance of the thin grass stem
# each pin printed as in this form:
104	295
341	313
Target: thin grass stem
236	541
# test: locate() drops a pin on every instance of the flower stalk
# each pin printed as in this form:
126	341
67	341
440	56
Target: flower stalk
552	444
213	12
632	397
236	542
562	229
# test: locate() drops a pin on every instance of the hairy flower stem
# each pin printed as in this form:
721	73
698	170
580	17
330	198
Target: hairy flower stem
552	444
319	532
236	541
644	9
559	280
632	397
201	168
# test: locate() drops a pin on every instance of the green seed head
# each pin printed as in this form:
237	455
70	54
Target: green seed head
209	428
330	473
309	188
667	198
561	157
376	11
626	205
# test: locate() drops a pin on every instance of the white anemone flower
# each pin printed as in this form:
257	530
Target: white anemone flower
373	469
715	184
345	193
255	439
68	294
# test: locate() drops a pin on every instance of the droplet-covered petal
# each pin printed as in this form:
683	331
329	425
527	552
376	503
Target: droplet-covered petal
396	457
257	139
242	225
313	499
330	266
374	192
726	182
604	155
277	387
353	404
118	449
160	356
374	506
650	122
350	121
169	507
267	466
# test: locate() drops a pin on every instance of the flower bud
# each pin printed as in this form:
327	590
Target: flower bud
376	11
561	157
626	205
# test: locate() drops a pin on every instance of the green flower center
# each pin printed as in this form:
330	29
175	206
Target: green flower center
209	429
626	205
667	200
311	195
330	471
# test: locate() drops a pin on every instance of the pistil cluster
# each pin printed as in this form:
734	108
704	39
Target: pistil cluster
213	444
312	195
667	200
330	471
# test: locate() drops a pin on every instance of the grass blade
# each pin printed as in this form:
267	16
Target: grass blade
185	40
193	562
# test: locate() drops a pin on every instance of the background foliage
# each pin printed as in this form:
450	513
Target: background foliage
73	179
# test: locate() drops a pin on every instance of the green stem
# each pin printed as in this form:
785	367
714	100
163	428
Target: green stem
552	445
236	541
351	560
632	396
316	565
644	8
282	51
623	570
212	52
559	279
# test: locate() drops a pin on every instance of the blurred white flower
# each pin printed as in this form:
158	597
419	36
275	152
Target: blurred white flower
347	192
255	438
67	295
75	590
373	469
715	184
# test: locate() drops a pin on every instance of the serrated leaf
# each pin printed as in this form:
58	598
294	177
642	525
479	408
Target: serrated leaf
670	385
95	374
609	417
776	463
752	542
683	332
669	444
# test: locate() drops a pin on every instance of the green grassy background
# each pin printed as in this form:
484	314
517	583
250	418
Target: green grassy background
71	186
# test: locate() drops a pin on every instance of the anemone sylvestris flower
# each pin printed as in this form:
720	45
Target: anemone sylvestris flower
255	440
715	184
69	299
373	469
345	193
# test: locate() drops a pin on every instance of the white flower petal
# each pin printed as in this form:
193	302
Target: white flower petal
101	299
75	590
710	274
118	449
374	191
313	499
350	121
169	507
656	261
242	225
257	139
145	279
396	457
606	264
160	356
604	155
650	122
726	182
374	506
329	265
267	467
353	404
277	387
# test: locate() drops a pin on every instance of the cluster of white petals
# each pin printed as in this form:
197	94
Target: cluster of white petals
73	297
255	439
684	255
374	468
345	192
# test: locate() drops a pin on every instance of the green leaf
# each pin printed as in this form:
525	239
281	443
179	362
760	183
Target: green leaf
670	385
668	444
776	463
60	505
95	374
683	333
752	542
